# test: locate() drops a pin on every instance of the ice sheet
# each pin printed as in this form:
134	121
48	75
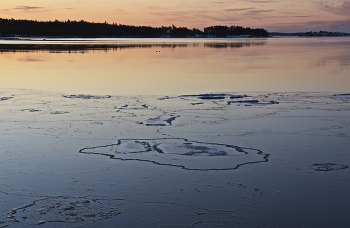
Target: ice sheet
216	164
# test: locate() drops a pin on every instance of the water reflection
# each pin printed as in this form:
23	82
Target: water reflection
234	45
176	66
83	48
79	48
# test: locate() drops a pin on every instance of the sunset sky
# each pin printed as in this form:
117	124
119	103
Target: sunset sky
273	15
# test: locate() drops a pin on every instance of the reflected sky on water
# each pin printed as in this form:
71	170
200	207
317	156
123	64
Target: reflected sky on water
176	66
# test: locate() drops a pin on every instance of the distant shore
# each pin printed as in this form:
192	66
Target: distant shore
309	34
84	29
30	28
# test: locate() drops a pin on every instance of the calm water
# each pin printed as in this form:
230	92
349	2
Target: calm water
176	66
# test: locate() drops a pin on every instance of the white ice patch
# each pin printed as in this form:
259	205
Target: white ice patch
133	147
198	149
159	121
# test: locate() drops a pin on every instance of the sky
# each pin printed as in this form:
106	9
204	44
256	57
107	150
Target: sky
273	15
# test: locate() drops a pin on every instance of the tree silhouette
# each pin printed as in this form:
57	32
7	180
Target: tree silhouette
11	27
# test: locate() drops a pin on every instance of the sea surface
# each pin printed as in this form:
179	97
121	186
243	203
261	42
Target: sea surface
176	66
175	132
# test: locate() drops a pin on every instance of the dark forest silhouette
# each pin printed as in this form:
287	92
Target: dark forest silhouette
12	27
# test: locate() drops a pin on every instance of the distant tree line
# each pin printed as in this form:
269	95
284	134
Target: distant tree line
324	33
11	27
224	31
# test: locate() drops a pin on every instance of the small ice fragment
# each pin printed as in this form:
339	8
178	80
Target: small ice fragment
41	222
58	112
5	98
245	101
252	102
345	95
97	123
207	97
328	167
31	110
144	106
237	96
197	103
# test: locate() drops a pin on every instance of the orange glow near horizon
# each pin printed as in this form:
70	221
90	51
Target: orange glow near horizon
332	15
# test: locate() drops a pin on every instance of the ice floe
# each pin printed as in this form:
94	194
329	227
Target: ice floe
180	153
83	96
62	209
97	123
251	102
344	96
31	110
5	98
212	96
232	99
328	167
159	121
215	96
58	112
